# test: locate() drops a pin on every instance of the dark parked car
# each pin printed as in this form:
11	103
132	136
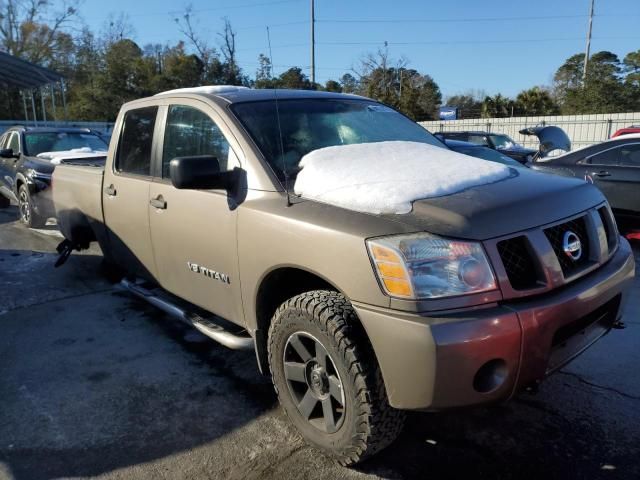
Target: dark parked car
25	176
497	141
613	166
480	151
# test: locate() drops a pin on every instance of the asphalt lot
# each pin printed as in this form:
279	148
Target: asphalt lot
96	383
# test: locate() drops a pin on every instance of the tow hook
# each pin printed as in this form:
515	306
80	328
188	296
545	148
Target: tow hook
64	250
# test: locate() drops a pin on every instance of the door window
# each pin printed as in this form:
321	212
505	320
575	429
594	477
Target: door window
607	158
134	151
191	132
478	139
14	143
630	155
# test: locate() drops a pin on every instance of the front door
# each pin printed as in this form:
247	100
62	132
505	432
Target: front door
126	193
616	172
194	231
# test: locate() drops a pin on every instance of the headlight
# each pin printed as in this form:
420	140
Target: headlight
422	265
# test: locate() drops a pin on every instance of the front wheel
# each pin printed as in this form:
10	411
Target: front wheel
26	213
327	378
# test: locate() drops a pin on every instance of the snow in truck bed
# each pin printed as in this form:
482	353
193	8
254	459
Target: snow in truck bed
386	177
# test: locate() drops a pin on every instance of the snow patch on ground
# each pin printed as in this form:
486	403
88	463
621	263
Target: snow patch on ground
84	152
386	177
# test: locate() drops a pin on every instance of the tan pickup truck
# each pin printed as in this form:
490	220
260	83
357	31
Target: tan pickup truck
372	269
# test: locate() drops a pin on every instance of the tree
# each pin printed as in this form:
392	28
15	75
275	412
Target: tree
535	101
601	91
415	94
333	86
349	83
294	78
631	64
263	74
30	30
496	107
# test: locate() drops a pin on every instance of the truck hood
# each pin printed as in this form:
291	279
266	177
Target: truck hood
526	199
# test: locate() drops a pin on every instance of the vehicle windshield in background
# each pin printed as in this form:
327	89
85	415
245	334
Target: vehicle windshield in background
309	124
488	154
503	141
40	142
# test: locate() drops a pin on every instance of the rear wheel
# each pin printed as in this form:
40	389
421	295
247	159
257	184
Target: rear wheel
327	378
26	213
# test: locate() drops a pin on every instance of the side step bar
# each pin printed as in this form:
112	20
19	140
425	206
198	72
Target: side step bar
204	325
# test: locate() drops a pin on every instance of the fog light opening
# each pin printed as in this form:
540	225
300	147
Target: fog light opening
490	376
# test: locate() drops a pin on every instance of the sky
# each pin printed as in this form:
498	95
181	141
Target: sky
493	46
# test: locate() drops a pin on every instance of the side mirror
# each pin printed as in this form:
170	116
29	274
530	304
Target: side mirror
7	153
201	172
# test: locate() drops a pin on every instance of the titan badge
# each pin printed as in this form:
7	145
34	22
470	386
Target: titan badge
208	272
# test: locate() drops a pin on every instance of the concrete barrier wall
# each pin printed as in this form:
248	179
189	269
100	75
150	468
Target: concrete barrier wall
583	130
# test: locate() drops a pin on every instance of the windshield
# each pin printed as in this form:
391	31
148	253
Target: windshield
310	124
503	141
487	154
40	142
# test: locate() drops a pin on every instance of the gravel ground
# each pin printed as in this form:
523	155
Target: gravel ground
95	383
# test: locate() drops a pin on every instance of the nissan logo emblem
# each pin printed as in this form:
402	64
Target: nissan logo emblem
572	246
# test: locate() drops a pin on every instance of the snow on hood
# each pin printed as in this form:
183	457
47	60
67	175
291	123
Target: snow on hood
386	177
57	157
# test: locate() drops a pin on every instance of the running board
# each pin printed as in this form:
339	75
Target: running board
206	326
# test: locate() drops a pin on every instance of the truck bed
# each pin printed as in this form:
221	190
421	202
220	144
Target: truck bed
77	197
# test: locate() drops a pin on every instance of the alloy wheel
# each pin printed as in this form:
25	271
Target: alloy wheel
314	382
25	208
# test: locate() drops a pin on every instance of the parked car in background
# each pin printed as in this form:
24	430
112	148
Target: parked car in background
552	140
28	157
480	151
613	166
626	131
497	141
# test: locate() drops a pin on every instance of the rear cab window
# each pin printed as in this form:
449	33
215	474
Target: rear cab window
136	141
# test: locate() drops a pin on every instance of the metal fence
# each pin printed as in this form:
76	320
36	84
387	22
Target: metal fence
104	127
583	130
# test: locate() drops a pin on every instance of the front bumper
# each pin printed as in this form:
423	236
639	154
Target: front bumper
441	360
42	198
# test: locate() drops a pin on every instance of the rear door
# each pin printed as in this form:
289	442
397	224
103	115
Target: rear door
194	231
616	172
126	192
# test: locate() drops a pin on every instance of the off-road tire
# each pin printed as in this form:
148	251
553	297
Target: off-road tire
369	424
26	213
4	201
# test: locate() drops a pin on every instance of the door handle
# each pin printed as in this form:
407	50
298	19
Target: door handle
158	202
110	190
602	173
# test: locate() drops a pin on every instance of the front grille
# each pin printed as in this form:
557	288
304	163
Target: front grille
555	235
518	262
609	228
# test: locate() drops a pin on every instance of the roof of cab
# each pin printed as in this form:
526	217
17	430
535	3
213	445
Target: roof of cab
233	94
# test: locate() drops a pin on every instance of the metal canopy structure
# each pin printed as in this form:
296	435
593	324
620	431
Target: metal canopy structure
16	72
29	78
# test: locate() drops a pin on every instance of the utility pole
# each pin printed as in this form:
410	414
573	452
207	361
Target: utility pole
313	42
586	53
